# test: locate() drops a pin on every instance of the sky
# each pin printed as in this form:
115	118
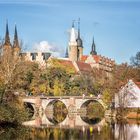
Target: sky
45	24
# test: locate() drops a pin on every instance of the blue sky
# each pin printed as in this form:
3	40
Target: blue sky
115	24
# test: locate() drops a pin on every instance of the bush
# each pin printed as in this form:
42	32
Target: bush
11	113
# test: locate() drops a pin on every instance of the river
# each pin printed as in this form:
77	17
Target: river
72	127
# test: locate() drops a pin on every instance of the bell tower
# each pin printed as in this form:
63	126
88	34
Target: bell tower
79	43
73	51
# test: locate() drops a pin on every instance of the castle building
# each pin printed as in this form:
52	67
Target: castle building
75	53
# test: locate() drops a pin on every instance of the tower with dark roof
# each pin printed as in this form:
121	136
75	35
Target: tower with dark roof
67	53
7	45
16	47
79	43
93	48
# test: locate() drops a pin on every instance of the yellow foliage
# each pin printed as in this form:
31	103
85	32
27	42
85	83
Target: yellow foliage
59	64
107	96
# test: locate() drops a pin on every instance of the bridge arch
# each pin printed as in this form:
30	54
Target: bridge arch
88	101
52	102
31	108
54	115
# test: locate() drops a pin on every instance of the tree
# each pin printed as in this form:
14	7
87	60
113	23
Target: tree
9	63
135	60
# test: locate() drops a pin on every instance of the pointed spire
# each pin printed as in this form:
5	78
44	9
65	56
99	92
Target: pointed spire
73	23
7	38
16	43
72	40
79	28
93	48
79	40
66	54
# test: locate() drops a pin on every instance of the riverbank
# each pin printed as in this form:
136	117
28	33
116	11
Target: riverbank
12	114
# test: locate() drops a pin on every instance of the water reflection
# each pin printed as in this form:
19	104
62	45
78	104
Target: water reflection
127	131
108	131
65	121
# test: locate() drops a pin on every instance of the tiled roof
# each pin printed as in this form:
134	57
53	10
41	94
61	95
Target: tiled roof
96	58
84	67
84	57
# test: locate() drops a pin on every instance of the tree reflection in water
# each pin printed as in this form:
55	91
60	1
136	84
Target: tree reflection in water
110	131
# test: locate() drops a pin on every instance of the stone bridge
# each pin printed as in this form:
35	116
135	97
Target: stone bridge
74	104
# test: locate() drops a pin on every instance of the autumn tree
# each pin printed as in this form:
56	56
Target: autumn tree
135	60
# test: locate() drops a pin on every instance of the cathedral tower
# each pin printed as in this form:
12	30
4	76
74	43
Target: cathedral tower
73	45
16	47
7	45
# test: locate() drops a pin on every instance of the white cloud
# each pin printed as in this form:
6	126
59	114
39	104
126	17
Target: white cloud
45	46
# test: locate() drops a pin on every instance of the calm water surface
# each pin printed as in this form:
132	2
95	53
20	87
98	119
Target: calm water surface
72	127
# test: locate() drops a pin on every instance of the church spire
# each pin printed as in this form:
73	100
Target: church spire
79	28
73	23
93	48
79	40
16	43
7	38
66	54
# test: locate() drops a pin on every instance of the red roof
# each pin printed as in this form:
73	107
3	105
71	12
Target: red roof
83	67
84	57
96	58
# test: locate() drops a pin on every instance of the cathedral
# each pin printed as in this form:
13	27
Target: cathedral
16	49
7	46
